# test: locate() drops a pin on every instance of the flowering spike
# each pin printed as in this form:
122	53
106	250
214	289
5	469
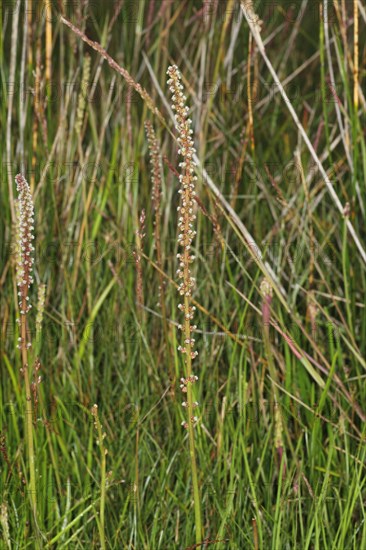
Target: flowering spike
25	220
185	238
186	232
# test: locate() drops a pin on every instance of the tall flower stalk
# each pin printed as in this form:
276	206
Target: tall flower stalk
186	218
24	265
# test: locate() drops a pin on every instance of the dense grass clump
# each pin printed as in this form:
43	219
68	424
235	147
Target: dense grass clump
218	215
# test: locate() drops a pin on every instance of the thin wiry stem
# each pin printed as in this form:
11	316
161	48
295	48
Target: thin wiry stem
13	57
355	56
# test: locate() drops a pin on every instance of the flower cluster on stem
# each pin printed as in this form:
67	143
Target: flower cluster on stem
186	219
186	235
156	179
25	228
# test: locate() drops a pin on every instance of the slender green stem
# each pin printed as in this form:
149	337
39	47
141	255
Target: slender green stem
275	398
29	424
191	435
103	481
345	263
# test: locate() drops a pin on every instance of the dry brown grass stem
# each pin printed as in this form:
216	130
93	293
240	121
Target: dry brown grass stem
112	63
355	54
48	15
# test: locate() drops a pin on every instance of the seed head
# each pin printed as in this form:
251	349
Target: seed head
186	232
187	179
155	161
25	228
40	306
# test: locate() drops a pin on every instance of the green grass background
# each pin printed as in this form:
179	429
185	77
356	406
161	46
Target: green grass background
99	346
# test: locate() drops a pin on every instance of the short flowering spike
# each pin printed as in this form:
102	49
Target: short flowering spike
24	249
155	161
25	220
40	306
